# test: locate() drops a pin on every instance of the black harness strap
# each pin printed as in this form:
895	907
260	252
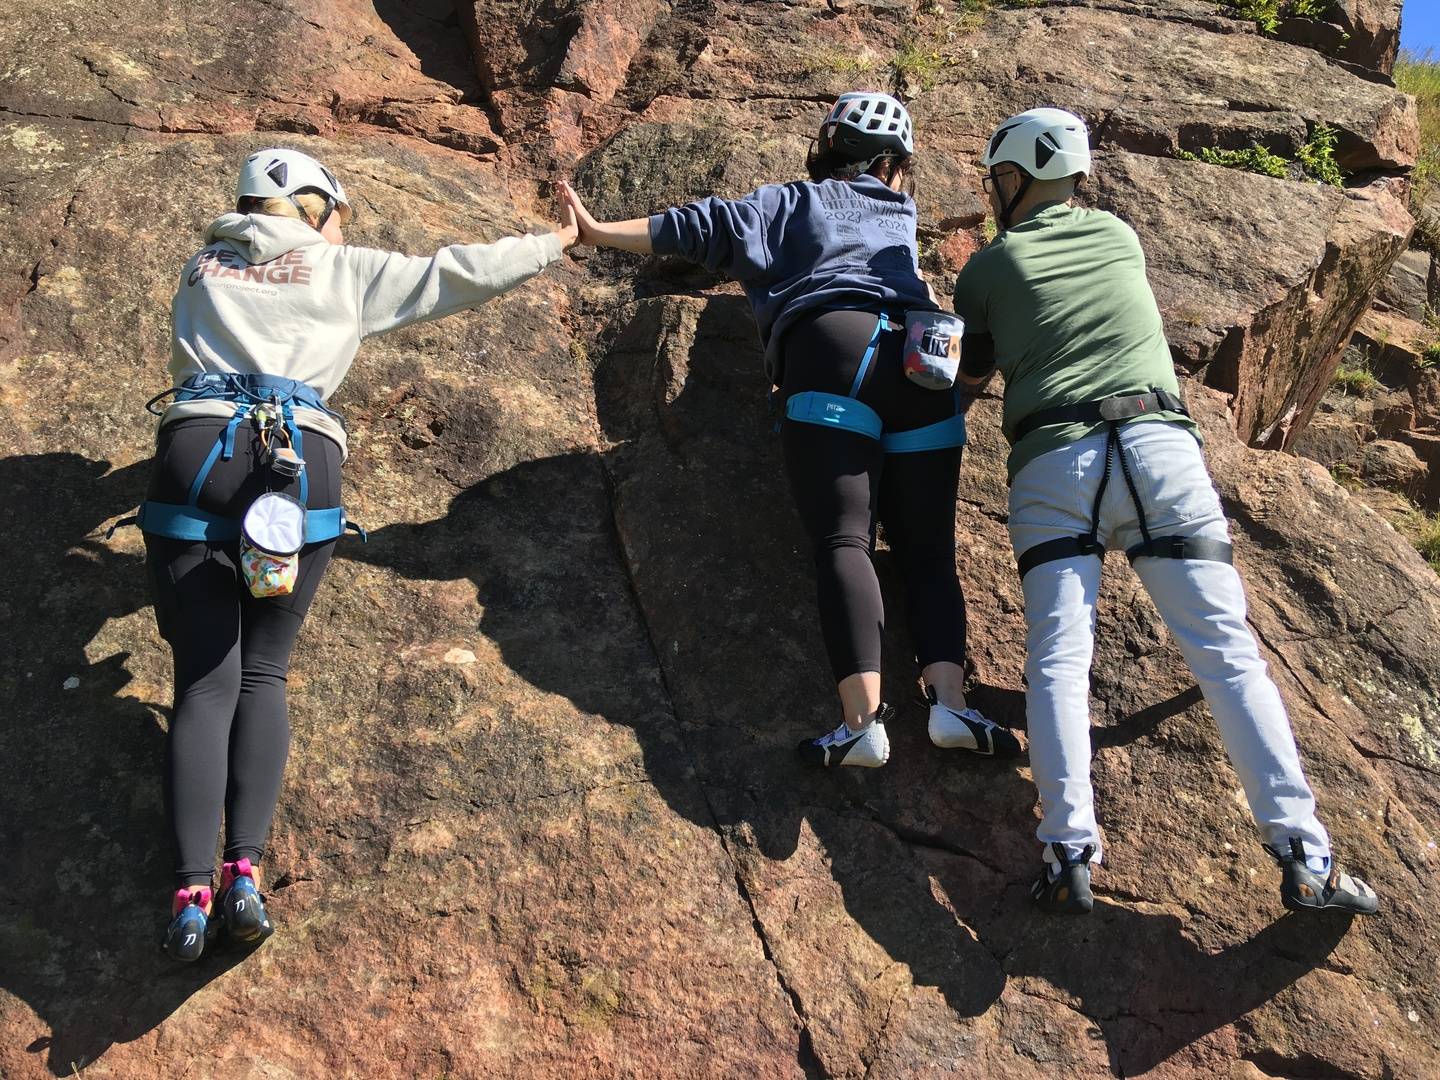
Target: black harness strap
1111	411
1122	407
1067	547
1183	547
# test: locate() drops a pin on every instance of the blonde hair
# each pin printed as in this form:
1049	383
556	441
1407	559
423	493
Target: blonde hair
279	206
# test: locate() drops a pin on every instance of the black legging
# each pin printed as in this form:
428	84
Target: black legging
229	733
842	483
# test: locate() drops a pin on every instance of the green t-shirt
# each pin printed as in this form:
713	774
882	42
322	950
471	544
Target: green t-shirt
1064	296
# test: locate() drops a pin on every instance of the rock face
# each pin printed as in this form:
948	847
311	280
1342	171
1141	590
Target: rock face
541	816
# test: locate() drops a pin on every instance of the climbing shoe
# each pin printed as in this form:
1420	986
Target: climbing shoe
1063	887
191	929
967	729
241	906
1304	889
869	747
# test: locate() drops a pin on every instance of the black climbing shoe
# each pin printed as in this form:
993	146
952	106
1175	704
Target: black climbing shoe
1302	889
191	930
869	747
969	729
241	905
1067	892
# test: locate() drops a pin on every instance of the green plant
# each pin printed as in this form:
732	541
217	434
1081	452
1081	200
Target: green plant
916	63
1256	159
1429	356
1265	14
1346	477
1419	74
1356	379
1268	14
1317	156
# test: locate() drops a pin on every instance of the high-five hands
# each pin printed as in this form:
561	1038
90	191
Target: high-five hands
632	235
569	231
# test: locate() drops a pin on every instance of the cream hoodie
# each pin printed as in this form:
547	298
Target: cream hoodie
270	295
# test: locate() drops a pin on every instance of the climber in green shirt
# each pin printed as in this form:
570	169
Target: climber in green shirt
1103	455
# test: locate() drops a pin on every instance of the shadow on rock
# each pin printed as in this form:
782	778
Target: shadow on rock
81	817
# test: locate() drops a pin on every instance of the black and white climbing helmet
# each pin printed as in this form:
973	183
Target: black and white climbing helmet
1049	144
865	124
283	174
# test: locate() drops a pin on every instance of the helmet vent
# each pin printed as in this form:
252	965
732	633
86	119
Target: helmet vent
278	172
1000	138
1044	151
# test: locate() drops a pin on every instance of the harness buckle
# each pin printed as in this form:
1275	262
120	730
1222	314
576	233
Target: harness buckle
1122	408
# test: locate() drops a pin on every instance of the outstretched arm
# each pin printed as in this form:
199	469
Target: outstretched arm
632	235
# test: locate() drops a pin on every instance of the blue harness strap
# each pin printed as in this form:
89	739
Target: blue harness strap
880	328
832	410
946	433
185	523
197	526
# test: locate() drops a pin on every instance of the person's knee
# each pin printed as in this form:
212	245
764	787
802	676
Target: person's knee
836	544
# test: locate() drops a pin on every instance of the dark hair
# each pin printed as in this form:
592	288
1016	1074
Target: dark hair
831	166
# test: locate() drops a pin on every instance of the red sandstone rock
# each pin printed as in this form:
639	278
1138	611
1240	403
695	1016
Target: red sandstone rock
541	817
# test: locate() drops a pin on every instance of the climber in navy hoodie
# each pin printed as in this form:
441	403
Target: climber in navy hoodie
830	268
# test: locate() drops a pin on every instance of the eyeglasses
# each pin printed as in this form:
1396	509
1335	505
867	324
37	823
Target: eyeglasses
988	180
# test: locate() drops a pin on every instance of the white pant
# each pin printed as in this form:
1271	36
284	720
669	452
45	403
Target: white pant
1202	602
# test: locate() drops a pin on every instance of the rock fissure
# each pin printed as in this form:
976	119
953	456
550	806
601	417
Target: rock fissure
916	838
806	1055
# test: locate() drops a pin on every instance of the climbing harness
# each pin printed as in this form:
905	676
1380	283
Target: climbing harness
1111	411
269	403
849	414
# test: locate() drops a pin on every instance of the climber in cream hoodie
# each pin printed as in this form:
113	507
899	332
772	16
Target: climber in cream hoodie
274	295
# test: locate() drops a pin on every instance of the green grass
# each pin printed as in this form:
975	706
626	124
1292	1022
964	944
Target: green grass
1419	74
837	62
1423	530
1430	355
1355	379
917	63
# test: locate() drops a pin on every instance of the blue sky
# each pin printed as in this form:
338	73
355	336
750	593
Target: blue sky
1420	25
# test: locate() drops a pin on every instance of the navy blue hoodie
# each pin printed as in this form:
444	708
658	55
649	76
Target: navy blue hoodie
804	247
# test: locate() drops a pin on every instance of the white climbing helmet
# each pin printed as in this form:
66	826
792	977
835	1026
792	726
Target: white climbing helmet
283	174
865	124
1049	144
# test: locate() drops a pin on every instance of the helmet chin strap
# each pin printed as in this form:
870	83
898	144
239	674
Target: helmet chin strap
1009	209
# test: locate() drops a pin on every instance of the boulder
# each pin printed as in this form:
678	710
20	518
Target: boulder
1395	466
1406	289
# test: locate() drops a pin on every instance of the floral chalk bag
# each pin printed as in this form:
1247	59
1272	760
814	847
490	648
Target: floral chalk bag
271	536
